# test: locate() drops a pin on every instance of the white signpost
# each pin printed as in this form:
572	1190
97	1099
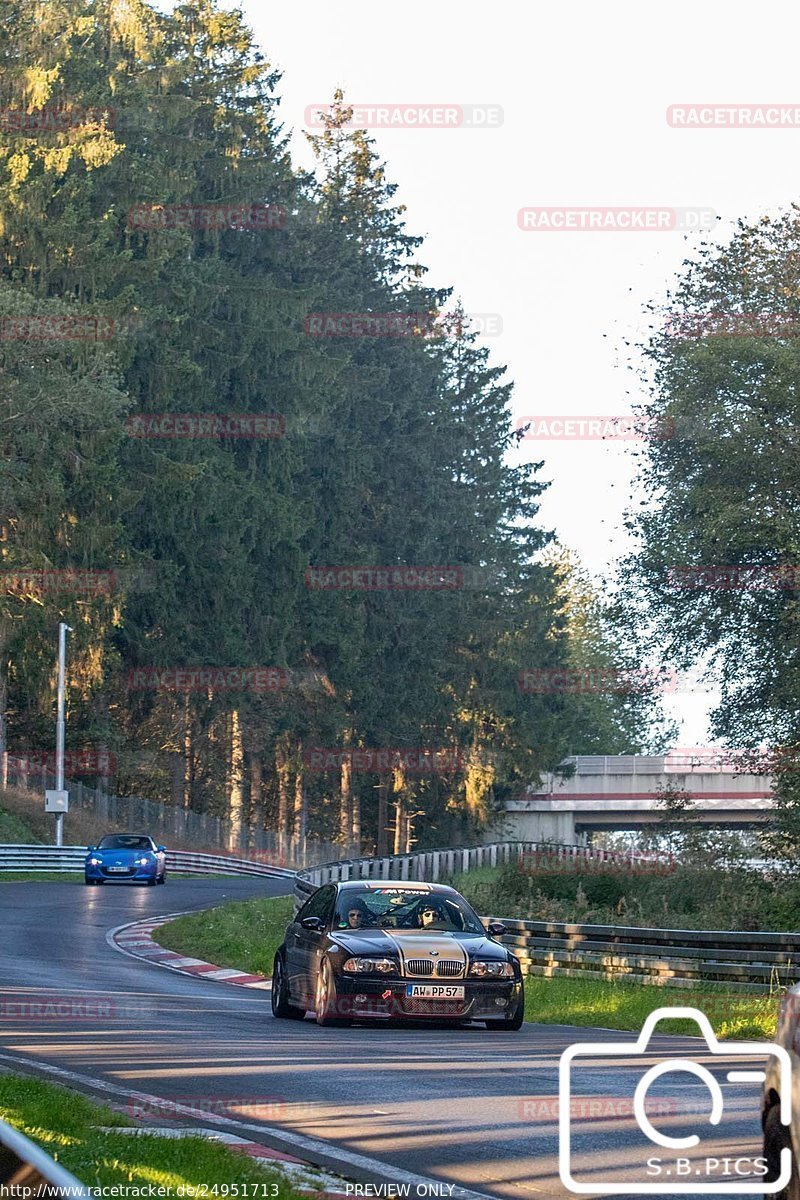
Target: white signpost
57	800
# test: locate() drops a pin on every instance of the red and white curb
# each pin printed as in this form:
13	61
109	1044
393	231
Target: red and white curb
136	940
304	1177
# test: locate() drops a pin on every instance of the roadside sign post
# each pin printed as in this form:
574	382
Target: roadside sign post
57	801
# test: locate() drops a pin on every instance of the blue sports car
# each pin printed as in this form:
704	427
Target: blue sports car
129	857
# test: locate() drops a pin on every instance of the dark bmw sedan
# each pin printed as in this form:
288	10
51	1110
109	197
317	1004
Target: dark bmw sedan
408	951
126	857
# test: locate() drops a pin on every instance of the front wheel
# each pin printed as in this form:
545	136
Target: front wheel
513	1022
326	1002
776	1139
280	994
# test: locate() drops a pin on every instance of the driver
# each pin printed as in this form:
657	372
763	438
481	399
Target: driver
357	914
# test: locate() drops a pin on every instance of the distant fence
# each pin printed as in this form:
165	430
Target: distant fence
169	823
672	957
72	858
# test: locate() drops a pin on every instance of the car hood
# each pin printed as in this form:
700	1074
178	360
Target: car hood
409	943
118	856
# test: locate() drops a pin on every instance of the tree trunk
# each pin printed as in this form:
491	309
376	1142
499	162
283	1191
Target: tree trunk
300	816
355	825
235	782
345	804
399	785
188	766
256	787
282	772
382	841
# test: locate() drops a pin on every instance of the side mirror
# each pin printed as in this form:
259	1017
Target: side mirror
161	849
315	923
89	849
496	928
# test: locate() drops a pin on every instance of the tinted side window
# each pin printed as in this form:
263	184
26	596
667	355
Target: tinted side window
318	905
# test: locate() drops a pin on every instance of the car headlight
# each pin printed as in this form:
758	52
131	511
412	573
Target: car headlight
95	862
142	862
365	966
493	969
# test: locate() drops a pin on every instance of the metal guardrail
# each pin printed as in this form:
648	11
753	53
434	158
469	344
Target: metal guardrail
26	1170
750	961
747	961
72	858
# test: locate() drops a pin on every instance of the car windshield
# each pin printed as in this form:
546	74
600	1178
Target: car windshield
125	841
404	908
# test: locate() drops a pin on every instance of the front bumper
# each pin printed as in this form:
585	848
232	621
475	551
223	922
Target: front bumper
386	999
130	875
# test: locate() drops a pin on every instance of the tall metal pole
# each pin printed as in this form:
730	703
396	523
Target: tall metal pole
62	664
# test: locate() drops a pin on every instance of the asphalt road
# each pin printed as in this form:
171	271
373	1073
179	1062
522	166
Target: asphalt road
461	1106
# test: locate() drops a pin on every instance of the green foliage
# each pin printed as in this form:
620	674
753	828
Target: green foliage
395	453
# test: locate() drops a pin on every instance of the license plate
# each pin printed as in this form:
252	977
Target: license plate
434	991
118	870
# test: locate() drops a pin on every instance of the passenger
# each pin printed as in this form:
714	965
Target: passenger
431	916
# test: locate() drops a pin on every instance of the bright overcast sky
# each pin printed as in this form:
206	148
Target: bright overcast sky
584	90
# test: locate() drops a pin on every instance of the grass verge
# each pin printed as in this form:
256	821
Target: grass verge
66	1125
614	1004
246	935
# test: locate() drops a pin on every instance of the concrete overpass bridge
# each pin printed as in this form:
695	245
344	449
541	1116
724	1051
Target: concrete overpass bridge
622	792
